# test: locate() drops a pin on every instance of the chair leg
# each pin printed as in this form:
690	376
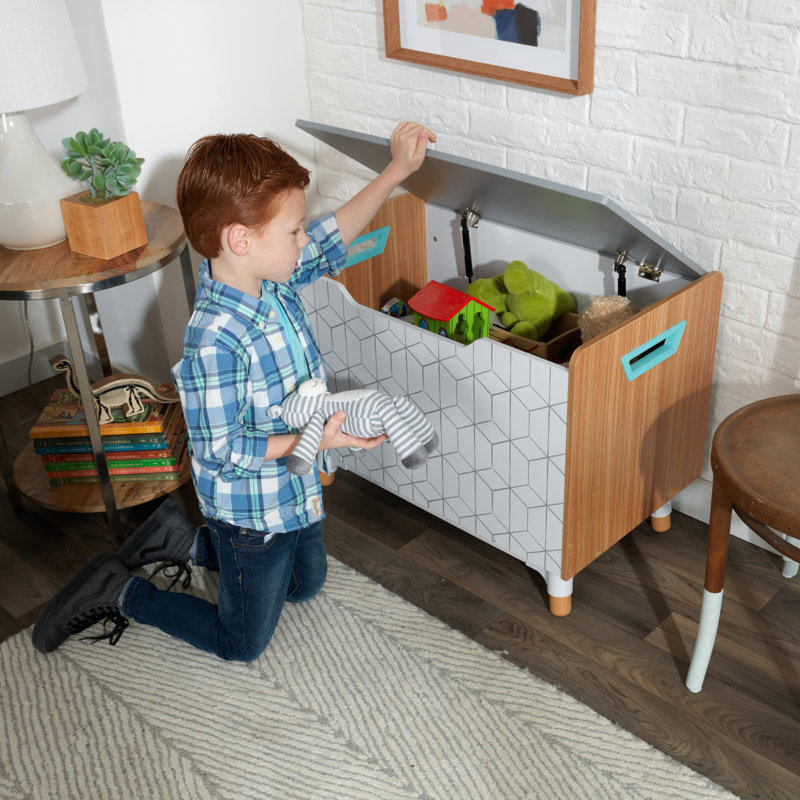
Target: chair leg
790	566
7	471
719	528
706	634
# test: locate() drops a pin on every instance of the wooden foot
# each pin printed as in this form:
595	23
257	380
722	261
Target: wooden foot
661	524
560	606
326	478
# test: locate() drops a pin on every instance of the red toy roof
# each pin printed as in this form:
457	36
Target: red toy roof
437	301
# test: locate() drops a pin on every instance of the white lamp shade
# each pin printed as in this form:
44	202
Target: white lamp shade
39	65
39	59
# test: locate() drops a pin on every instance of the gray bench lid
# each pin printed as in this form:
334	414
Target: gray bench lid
548	209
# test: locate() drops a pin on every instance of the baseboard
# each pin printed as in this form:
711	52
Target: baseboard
695	501
14	372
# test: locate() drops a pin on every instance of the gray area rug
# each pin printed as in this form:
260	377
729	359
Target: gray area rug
360	695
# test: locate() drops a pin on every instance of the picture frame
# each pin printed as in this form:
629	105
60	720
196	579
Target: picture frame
478	37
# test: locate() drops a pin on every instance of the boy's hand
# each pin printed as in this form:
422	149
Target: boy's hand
333	437
409	142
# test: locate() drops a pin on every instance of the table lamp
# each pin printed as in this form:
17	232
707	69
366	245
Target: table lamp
39	65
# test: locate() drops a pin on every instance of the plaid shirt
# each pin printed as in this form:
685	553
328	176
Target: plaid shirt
237	363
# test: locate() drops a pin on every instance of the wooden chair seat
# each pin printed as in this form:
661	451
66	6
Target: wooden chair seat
755	460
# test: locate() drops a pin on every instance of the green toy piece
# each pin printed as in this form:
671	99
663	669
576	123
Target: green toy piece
527	303
519	279
450	312
508	320
537	308
490	291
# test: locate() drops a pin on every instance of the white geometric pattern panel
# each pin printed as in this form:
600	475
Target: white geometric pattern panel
500	415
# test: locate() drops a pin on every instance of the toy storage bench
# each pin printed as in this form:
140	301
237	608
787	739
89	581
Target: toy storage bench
549	463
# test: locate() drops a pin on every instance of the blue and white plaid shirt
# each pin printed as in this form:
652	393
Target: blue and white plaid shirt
236	363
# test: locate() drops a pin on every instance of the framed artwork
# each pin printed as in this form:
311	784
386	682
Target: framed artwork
548	44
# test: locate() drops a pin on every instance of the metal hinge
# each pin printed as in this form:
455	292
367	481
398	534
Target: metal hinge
649	271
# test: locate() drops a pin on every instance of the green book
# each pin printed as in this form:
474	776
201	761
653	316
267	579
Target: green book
66	466
154	476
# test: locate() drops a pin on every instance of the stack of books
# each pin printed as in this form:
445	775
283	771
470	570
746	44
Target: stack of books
148	446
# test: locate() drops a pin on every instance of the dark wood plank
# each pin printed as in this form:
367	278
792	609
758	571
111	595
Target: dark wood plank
421	586
372	511
602	641
716	747
22	588
624	650
783	614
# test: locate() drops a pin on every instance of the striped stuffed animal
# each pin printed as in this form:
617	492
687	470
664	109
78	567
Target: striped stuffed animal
369	413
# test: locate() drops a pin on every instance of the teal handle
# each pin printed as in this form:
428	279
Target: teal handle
658	349
367	245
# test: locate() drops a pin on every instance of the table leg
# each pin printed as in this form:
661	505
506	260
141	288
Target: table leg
82	377
188	277
719	528
97	331
7	471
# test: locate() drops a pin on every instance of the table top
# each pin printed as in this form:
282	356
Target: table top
57	272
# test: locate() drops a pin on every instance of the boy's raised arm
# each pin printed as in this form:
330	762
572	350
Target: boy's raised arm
409	141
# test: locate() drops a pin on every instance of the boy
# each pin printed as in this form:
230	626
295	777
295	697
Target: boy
247	345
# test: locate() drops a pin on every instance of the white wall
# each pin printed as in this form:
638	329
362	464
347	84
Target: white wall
693	126
98	107
185	70
162	73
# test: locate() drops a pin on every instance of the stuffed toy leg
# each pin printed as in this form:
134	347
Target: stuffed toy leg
369	413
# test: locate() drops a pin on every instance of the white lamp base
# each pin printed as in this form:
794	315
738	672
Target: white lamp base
31	184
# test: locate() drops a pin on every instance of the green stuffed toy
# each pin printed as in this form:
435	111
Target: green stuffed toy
526	302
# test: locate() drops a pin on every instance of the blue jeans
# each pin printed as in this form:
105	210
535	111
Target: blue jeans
258	573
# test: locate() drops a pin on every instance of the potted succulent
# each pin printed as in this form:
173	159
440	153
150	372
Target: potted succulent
106	220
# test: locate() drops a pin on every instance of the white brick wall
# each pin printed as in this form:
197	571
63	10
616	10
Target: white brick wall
693	126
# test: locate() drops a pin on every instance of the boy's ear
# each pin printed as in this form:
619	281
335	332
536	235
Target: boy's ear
236	238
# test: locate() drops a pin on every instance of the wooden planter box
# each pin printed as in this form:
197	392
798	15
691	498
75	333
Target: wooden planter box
106	229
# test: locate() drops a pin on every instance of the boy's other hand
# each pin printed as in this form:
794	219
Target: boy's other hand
333	436
409	142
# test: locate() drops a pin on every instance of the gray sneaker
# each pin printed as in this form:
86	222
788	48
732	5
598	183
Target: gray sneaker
166	535
89	597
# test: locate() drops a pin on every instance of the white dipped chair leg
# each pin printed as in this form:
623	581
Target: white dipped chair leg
790	566
706	634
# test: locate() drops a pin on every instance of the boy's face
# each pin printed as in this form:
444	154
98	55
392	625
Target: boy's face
276	249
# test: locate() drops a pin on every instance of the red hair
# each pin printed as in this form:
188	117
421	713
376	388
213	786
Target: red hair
233	178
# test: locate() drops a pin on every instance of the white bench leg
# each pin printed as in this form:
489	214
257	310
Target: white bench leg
560	593
706	634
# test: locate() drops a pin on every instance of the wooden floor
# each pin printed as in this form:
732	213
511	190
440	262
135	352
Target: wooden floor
624	650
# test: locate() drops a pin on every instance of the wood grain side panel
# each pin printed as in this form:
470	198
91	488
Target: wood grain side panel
633	445
402	268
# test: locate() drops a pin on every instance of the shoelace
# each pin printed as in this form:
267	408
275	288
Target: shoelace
182	572
108	615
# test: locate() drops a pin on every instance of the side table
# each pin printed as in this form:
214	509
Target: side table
57	272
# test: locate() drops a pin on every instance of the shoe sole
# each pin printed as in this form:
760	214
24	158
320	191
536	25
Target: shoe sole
59	598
